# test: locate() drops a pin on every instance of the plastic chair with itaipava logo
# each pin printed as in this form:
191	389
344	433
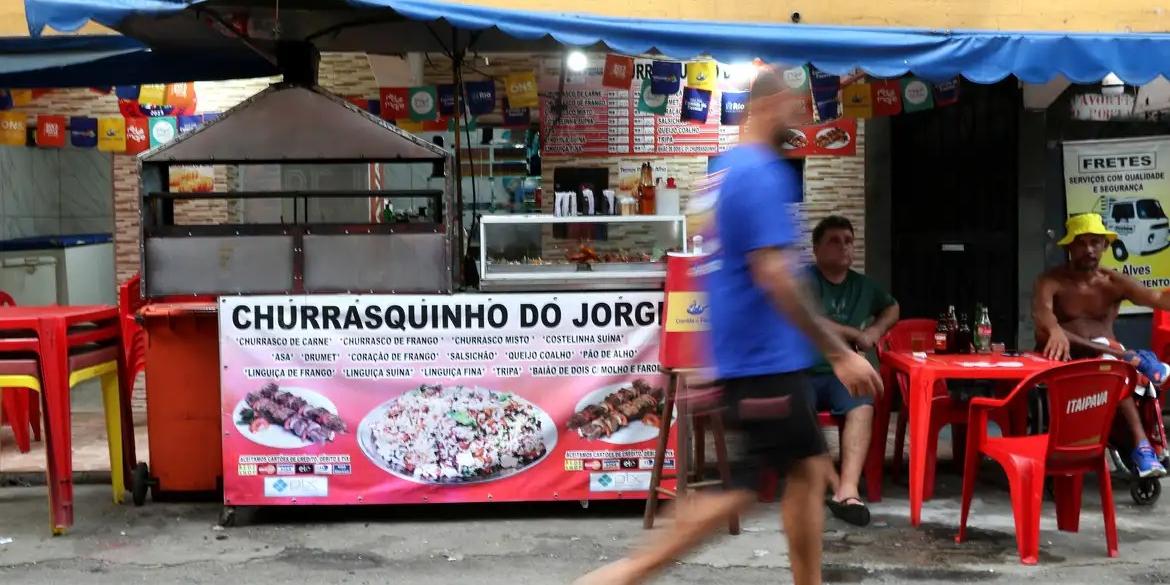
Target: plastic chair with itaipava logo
1082	400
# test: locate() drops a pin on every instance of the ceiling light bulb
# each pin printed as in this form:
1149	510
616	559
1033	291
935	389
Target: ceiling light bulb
577	61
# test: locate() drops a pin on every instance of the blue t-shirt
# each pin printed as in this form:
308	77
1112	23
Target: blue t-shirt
749	336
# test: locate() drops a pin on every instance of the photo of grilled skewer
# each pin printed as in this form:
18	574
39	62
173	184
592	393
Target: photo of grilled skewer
621	414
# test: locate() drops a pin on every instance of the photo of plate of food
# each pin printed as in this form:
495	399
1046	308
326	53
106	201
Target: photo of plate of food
287	417
442	434
621	414
832	138
794	140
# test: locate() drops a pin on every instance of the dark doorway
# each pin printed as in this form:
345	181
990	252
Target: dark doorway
954	209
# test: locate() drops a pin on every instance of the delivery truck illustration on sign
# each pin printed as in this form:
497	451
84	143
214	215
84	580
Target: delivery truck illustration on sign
1141	225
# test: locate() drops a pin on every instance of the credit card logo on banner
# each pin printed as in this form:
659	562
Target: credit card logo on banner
622	481
304	469
323	469
574	465
296	487
247	470
342	469
611	464
266	469
286	469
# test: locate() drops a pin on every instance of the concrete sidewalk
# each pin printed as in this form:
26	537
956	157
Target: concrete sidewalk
538	544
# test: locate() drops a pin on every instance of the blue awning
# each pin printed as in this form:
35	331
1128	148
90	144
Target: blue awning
980	56
104	60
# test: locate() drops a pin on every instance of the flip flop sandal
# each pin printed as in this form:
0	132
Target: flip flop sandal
852	510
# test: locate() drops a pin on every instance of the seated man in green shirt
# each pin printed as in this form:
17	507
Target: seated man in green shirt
858	310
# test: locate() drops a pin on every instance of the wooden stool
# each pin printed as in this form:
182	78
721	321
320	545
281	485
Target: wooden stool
704	417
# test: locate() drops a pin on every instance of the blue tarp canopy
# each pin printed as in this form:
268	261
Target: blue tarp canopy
399	26
104	60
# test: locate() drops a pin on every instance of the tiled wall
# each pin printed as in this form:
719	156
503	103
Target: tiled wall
46	192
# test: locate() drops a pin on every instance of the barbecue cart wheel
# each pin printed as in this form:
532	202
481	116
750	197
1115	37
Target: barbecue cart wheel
1119	251
1145	491
141	483
227	516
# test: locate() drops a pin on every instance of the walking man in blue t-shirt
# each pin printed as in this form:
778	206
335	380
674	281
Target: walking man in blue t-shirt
762	323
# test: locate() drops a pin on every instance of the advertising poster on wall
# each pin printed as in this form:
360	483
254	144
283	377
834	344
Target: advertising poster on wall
428	399
1125	181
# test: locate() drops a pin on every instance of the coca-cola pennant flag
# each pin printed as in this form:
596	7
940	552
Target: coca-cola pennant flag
137	135
887	97
619	71
395	103
51	131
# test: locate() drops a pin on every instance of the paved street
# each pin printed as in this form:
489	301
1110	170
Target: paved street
532	545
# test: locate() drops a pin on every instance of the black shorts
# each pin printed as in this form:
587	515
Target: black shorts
774	423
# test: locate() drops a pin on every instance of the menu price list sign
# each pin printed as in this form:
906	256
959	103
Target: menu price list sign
585	118
338	399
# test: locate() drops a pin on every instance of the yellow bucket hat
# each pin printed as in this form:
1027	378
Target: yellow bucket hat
1085	223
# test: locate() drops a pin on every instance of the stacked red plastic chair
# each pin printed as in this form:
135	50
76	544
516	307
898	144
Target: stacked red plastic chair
20	407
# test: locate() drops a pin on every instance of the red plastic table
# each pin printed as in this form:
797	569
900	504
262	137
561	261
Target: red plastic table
51	326
923	373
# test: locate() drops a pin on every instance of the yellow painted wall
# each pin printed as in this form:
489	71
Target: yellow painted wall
1071	15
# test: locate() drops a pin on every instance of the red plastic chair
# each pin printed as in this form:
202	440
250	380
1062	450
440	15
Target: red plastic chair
20	407
1082	400
1160	336
133	334
946	411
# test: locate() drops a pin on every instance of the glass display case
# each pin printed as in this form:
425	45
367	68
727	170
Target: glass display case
545	252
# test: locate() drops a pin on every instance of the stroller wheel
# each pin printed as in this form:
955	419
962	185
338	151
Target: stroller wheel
1145	491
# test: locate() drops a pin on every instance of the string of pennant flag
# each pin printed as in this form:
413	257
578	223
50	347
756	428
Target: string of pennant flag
150	115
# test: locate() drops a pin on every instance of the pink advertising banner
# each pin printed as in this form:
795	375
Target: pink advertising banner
376	399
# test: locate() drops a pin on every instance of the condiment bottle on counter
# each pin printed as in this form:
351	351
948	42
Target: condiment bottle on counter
668	202
627	205
646	195
610	202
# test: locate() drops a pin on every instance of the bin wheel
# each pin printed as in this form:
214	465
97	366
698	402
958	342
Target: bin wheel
1145	491
227	516
141	483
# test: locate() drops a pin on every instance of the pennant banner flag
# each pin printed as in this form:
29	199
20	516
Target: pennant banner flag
13	128
83	131
887	97
796	78
423	102
651	102
163	130
946	93
21	97
153	94
916	95
112	134
5	100
181	96
665	77
520	89
733	108
137	135
189	123
395	103
481	97
51	131
516	116
825	89
446	93
702	75
619	71
127	92
696	105
857	100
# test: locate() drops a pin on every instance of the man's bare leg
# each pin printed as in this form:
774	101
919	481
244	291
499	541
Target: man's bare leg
803	513
854	448
696	517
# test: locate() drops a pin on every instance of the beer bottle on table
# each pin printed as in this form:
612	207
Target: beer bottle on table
941	337
964	337
952	330
983	332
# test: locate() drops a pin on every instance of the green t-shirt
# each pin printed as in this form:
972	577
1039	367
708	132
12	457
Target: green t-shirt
854	303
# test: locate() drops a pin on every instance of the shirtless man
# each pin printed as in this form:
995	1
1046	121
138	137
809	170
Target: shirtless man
1074	307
